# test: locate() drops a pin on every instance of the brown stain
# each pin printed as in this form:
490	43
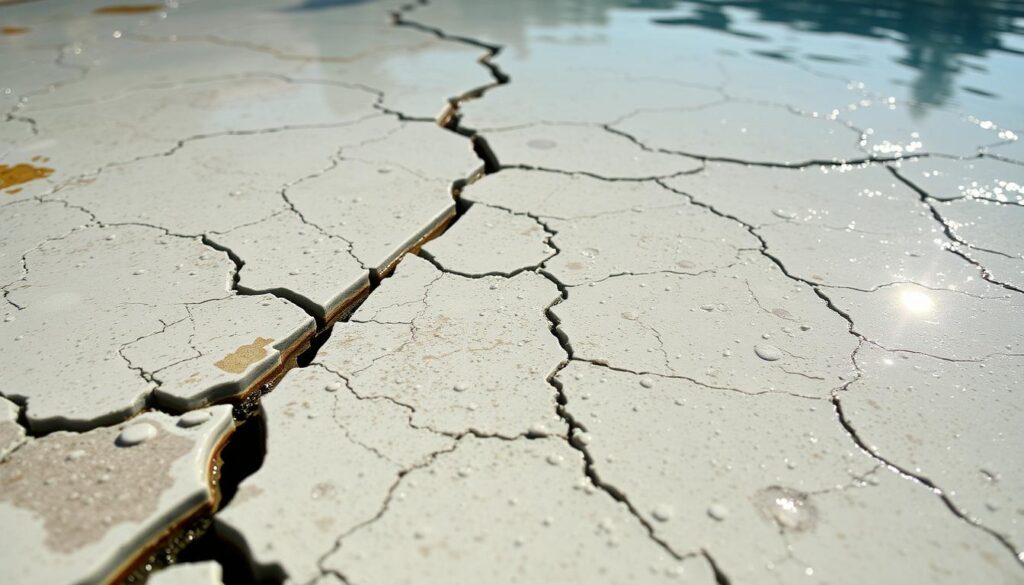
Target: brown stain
79	499
246	355
129	9
21	173
14	30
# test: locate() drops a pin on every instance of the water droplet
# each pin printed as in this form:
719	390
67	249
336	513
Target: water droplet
768	353
789	508
647	382
194	418
333	387
139	272
554	459
460	387
783	214
581	439
662	512
136	434
718	511
590	252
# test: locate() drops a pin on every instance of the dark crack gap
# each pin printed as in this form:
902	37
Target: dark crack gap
919	478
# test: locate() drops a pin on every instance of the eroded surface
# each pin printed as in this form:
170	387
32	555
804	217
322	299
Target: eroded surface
82	501
511	292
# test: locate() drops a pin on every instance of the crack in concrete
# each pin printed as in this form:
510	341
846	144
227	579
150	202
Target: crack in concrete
956	240
919	478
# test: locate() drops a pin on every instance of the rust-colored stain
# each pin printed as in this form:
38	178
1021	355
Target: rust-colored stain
237	361
13	30
21	173
129	8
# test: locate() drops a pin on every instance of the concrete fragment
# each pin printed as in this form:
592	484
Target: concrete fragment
505	512
401	172
488	240
204	573
228	347
12	434
464	353
290	511
88	296
91	508
324	278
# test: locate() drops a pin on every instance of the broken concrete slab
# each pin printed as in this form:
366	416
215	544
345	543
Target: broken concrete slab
402	171
489	240
953	423
465	354
290	512
526	501
87	296
203	573
584	149
91	503
12	434
744	132
324	279
776	506
747	328
225	349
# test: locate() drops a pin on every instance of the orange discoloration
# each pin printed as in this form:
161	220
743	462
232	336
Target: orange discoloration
21	173
239	360
13	30
129	8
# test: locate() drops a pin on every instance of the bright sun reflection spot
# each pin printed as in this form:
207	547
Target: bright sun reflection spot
916	301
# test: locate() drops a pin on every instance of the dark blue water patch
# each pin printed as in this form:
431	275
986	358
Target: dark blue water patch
324	4
936	34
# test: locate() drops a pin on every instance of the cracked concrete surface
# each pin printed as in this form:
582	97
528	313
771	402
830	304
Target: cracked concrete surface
510	292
